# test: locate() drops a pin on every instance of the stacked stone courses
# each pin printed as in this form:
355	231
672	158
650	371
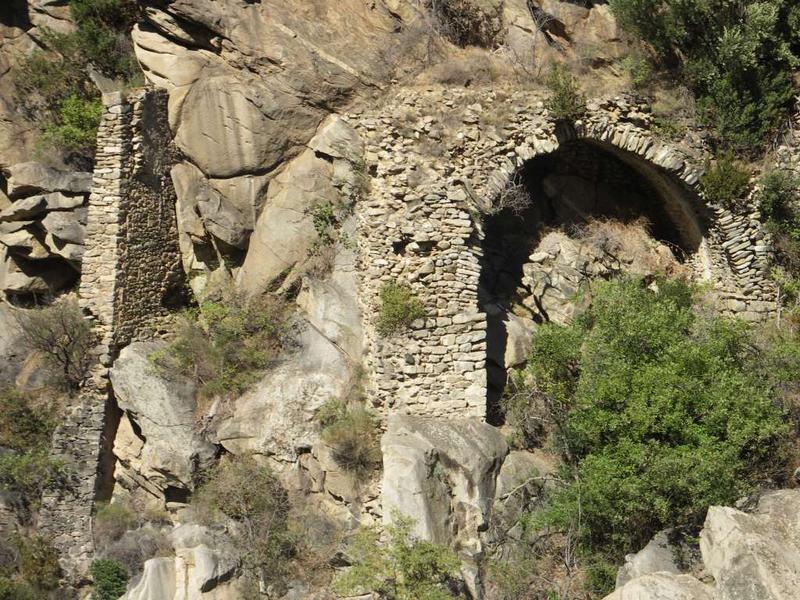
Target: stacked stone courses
130	272
439	158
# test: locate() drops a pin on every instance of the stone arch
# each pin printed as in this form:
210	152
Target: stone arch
664	188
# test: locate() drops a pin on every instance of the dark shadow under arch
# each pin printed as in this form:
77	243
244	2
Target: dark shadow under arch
581	180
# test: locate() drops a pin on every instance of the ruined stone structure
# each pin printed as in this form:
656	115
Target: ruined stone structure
440	159
131	275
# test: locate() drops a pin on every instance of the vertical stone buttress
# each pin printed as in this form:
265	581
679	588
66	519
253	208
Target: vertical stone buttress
130	277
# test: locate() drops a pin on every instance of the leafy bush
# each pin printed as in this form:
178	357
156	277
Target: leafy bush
404	569
16	590
639	71
55	82
27	470
399	308
779	201
658	414
38	562
736	55
725	181
352	433
248	494
75	129
21	427
63	337
110	579
227	345
134	547
566	102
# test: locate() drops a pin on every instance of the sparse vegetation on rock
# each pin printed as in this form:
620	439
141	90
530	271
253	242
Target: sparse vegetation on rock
227	344
352	433
404	568
399	308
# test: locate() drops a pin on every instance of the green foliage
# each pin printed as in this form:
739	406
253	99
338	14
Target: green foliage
737	56
248	494
659	413
38	562
779	201
639	70
21	427
227	345
352	433
403	569
75	128
324	217
566	102
55	81
726	181
399	308
110	579
27	470
16	590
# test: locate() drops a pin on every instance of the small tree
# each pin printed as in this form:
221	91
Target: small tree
63	337
566	102
110	579
405	568
247	493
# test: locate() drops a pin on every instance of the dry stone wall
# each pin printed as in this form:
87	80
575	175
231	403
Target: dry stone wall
131	275
439	159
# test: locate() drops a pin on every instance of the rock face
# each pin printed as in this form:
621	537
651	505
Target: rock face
442	474
200	570
276	418
749	555
42	228
157	444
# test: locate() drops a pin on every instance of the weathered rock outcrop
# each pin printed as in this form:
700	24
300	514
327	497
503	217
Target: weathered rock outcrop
157	445
441	473
42	228
750	555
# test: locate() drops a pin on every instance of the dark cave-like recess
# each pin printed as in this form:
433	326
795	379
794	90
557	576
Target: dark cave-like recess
581	180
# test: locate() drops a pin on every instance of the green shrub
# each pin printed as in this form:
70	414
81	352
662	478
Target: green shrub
23	428
247	492
75	128
110	579
639	70
38	562
566	102
30	473
737	57
725	181
658	412
404	568
399	308
16	590
227	345
352	433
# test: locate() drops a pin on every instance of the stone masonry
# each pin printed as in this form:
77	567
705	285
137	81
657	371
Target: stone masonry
439	159
131	275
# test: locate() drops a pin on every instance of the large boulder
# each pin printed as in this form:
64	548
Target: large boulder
285	232
442	474
666	586
157	443
28	178
755	555
657	556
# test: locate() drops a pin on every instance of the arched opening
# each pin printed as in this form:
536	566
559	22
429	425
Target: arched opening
586	210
